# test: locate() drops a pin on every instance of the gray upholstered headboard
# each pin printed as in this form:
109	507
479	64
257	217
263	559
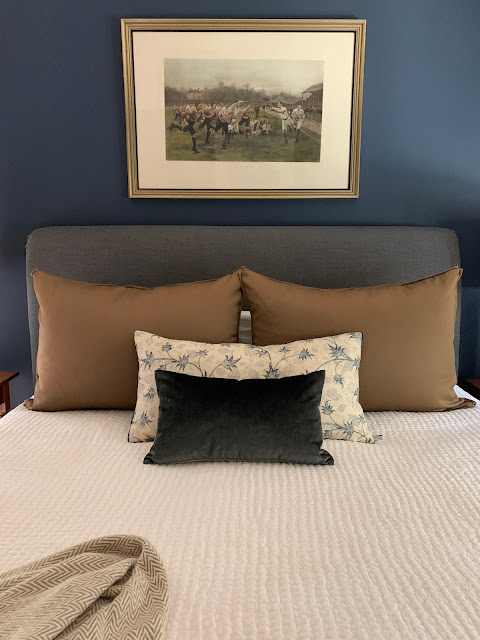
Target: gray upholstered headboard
327	257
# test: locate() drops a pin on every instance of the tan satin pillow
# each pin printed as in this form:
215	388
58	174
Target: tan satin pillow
408	359
86	353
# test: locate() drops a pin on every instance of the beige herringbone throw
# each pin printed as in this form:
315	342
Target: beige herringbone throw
111	588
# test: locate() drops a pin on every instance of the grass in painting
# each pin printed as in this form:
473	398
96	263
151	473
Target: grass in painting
261	148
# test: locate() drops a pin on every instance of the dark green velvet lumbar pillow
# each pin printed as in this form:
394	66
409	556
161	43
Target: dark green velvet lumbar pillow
261	420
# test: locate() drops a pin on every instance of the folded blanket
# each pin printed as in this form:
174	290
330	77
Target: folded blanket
111	588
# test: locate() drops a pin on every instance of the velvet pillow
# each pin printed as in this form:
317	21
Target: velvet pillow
408	359
214	419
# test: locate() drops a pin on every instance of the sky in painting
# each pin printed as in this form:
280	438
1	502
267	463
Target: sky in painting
293	76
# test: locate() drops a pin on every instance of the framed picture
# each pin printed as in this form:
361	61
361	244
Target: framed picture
243	108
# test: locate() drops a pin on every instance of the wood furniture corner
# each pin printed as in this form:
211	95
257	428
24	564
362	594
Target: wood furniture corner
471	386
5	377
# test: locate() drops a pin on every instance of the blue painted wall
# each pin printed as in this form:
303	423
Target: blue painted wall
62	149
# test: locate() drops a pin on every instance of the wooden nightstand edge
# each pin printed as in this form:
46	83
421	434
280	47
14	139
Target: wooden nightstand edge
471	386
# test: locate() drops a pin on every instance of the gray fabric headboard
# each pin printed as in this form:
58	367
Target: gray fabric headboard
329	257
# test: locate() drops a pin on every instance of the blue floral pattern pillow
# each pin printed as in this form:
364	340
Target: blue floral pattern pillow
339	356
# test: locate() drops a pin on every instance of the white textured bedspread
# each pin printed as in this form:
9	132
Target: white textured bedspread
383	545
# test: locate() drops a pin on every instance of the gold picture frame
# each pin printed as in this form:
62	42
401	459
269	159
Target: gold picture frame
325	163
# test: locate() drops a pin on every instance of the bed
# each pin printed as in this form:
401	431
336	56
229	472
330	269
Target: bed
383	545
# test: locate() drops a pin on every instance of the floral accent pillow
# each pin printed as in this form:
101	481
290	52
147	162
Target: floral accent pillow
339	356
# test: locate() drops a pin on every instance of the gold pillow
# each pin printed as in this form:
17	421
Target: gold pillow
86	354
408	359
